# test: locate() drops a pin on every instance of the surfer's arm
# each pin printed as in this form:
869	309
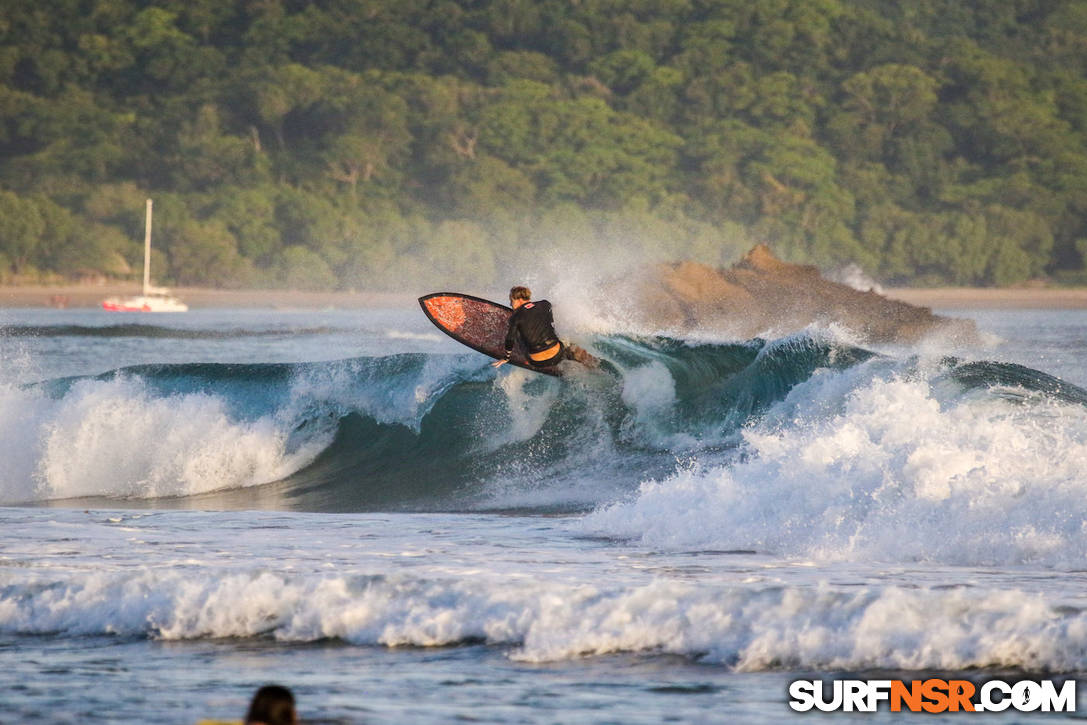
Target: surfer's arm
511	337
499	363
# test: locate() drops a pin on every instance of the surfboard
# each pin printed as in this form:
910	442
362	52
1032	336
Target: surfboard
478	323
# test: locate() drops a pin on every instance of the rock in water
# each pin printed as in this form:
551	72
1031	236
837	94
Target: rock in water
761	294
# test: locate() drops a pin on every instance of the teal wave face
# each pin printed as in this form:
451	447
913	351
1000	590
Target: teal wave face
418	432
1013	380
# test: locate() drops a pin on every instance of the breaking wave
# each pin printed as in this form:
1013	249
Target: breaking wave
805	446
746	628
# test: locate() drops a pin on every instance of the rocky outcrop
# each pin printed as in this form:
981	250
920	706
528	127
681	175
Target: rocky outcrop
761	294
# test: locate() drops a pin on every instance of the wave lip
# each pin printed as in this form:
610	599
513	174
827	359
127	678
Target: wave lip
748	629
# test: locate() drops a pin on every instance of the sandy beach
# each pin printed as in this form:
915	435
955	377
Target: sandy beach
91	295
992	297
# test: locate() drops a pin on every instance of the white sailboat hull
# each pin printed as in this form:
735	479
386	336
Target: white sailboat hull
145	303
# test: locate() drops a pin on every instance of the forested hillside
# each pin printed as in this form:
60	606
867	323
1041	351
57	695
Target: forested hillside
359	143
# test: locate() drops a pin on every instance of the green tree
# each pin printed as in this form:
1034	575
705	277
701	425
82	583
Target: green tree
278	92
300	268
879	105
204	253
250	216
369	130
483	186
623	70
578	149
21	229
932	141
462	251
207	158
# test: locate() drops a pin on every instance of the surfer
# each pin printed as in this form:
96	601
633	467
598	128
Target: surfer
272	705
533	323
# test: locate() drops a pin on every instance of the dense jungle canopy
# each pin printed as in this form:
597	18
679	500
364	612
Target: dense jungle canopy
361	143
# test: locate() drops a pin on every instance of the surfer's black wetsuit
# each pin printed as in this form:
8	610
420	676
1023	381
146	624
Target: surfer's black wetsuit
533	323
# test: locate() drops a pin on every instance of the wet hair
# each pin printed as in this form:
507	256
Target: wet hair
520	293
272	705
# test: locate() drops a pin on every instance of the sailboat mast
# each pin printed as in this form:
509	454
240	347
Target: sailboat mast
147	251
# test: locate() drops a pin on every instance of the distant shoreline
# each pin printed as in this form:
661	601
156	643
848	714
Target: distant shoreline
992	297
91	295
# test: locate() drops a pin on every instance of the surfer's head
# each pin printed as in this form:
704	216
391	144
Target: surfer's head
272	705
519	295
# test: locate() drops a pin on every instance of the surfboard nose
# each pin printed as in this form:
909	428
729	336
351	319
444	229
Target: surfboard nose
446	311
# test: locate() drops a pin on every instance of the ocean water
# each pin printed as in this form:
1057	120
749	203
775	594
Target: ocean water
352	505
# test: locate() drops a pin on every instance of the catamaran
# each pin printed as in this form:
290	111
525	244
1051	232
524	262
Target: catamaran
152	299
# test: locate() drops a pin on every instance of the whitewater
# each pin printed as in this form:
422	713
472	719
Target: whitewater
352	505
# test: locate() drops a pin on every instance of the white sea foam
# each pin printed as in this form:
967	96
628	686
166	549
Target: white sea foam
528	402
408	335
748	628
22	416
866	464
117	438
852	275
650	392
649	389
